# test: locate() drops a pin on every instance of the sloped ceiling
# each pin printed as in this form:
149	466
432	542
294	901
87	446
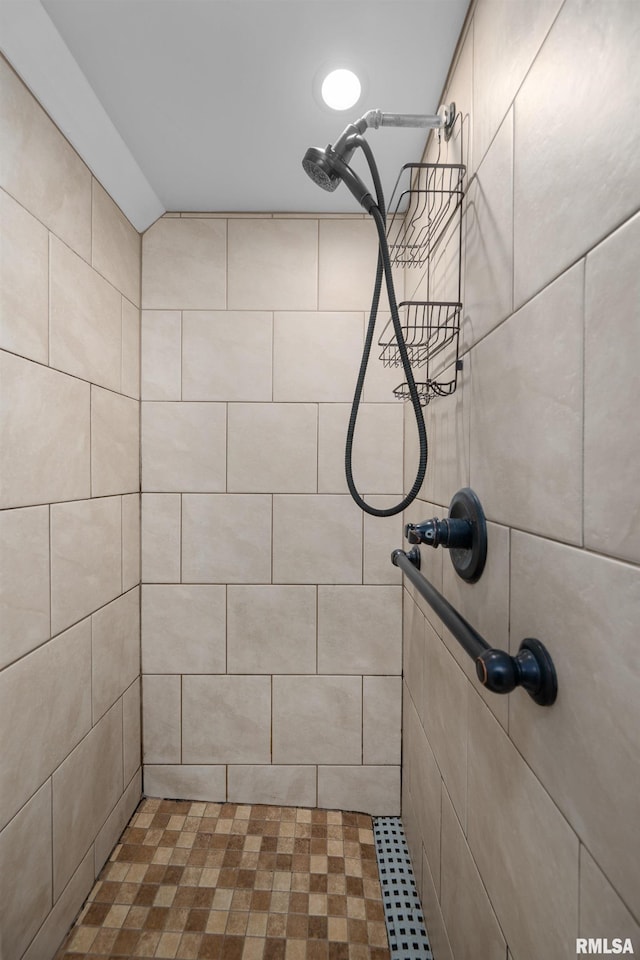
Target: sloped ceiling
207	105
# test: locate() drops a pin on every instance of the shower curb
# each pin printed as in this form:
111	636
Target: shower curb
403	914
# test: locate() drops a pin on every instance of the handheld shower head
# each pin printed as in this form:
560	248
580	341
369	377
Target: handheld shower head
327	168
317	166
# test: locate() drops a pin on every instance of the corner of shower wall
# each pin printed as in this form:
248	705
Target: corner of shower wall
70	772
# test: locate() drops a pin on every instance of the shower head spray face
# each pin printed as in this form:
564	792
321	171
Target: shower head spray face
317	166
327	168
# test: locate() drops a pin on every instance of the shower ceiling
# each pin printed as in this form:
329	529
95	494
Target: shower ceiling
210	104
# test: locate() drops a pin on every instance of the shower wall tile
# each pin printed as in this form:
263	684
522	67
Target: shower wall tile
40	169
348	254
131	731
130	541
470	921
381	720
381	536
225	719
186	781
261	253
271	629
227	356
183	265
528	829
24	282
438	936
526	419
24	581
25	878
184	447
351	788
226	538
272	448
316	539
111	831
86	788
277	784
424	785
507	37
58	674
377	448
160	537
85	320
161	719
488	226
115	443
115	245
66	908
314	356
562	596
183	628
86	558
317	720
359	630
130	349
602	912
160	363
115	650
612	342
589	42
44	434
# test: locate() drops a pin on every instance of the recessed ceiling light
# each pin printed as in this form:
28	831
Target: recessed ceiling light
341	89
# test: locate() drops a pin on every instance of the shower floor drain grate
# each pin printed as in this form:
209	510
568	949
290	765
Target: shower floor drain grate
402	908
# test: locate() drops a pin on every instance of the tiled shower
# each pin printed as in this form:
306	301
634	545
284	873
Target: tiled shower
193	386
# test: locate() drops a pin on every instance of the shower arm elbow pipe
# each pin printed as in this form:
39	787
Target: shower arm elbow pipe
376	118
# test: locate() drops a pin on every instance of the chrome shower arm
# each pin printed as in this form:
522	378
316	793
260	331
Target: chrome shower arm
444	119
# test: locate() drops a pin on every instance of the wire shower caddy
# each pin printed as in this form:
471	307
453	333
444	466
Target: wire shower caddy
425	216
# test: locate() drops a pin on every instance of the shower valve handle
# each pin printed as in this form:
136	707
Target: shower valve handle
441	533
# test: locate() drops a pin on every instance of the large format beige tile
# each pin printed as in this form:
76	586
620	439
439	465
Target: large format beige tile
272	448
160	534
292	786
445	717
376	452
584	749
186	781
226	538
65	910
130	541
114	825
316	539
506	39
131	730
115	246
271	629
24	282
316	356
56	678
226	355
86	788
372	790
526	852
489	240
261	254
347	264
44	434
381	720
130	349
115	650
612	395
26	894
567	158
526	416
226	719
381	535
438	936
424	785
184	265
115	443
183	628
40	168
317	720
360	630
86	558
160	362
85	320
472	927
184	447
602	912
24	581
161	719
413	651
